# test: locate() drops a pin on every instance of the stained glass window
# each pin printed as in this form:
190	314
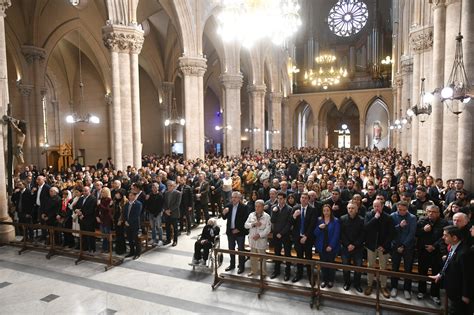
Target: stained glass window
348	17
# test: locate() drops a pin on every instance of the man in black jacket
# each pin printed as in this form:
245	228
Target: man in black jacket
352	240
379	233
430	245
40	195
205	242
154	207
23	201
52	207
303	222
281	214
87	217
215	194
236	214
455	272
186	205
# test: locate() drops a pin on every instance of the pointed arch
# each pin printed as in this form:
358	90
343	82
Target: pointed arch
377	123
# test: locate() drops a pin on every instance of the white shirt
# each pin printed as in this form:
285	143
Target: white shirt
227	184
234	214
38	195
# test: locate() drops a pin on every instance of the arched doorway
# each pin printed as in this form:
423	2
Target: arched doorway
304	125
376	125
339	127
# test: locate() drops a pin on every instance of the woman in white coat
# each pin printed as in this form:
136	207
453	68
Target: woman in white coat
259	225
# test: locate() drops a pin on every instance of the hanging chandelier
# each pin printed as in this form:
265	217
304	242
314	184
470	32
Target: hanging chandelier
174	119
423	109
76	117
248	21
327	74
456	94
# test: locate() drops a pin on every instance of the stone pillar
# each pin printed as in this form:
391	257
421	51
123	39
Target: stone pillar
232	83
167	88
362	143
125	43
450	120
465	130
439	25
287	126
257	110
35	57
193	69
406	66
398	101
7	233
276	98
28	116
415	99
137	133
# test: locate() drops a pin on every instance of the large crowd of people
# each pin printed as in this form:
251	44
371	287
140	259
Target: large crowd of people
358	204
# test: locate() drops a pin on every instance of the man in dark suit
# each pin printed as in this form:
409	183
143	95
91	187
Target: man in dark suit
281	214
52	207
303	222
455	272
23	201
202	197
171	202
87	218
40	196
186	205
132	212
236	214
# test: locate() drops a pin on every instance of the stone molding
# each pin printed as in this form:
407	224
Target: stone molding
231	81
438	3
25	89
421	39
398	81
33	53
109	100
123	39
192	66
43	91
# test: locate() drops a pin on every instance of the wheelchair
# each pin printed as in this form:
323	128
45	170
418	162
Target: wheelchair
211	259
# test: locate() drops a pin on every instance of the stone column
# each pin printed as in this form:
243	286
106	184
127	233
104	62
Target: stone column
125	43
398	101
415	99
7	233
167	88
35	57
276	98
362	143
406	66
287	126
232	83
450	120
465	130
439	25
257	110
193	69
28	116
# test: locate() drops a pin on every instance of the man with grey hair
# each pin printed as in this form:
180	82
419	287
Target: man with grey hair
171	202
461	220
236	214
259	225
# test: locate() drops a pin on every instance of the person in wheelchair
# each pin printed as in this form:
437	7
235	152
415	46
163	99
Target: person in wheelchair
205	242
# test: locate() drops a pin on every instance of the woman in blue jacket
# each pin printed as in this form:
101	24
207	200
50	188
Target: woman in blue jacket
327	235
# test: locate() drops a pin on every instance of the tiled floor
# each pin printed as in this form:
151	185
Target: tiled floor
161	281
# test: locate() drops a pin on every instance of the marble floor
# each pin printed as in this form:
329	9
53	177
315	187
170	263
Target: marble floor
159	282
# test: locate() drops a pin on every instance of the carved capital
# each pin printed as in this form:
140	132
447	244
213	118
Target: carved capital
192	66
33	53
406	64
286	101
398	81
257	89
108	99
438	3
231	81
276	97
123	39
167	87
4	5
43	91
25	89
421	39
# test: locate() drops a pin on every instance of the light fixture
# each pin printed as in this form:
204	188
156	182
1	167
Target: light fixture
228	127
387	61
273	131
423	108
344	127
252	130
78	117
456	94
248	21
174	119
327	74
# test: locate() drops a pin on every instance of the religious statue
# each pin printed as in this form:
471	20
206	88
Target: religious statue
19	126
377	131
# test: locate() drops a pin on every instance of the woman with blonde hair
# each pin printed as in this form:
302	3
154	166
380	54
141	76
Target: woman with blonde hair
104	216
